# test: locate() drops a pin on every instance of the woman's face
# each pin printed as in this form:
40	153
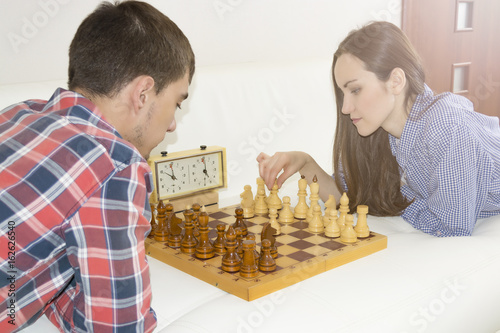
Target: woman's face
368	101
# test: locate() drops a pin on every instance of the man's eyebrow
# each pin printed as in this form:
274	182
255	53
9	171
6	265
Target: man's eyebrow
347	83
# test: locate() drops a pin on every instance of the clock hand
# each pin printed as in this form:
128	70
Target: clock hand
172	175
205	167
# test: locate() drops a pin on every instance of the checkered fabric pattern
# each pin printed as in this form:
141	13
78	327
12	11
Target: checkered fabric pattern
449	156
74	214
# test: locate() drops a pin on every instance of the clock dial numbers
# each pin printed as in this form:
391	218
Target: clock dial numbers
188	174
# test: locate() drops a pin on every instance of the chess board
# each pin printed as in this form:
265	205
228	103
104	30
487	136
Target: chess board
301	255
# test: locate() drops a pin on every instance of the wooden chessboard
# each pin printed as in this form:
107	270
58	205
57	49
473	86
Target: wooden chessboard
301	255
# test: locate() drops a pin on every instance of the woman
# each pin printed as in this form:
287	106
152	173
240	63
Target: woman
398	148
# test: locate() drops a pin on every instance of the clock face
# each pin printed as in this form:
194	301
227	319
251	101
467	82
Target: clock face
176	177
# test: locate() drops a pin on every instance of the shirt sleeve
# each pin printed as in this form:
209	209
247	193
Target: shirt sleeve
111	289
455	185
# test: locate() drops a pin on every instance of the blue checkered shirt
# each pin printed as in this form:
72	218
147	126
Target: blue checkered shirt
449	157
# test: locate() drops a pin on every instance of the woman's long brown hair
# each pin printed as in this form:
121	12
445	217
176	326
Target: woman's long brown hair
371	172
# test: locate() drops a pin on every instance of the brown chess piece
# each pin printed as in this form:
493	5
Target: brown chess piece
189	242
240	223
239	241
219	245
161	232
249	267
196	210
231	262
174	236
266	262
204	249
252	237
268	232
152	222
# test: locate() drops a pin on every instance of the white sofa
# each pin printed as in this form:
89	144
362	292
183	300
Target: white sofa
418	284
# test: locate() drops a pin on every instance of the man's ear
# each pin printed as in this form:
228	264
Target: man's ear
143	87
397	81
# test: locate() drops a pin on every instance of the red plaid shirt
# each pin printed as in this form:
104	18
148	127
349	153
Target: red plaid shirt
74	213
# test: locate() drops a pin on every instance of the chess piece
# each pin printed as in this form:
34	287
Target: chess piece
152	222
247	202
286	214
300	211
239	241
268	232
174	236
196	212
344	210
314	197
260	202
252	237
249	268
161	230
348	235
189	242
219	243
273	220
361	227
332	229
316	223
329	205
231	262
240	223
273	201
204	249
266	262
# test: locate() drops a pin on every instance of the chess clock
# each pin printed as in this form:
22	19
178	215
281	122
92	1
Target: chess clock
191	176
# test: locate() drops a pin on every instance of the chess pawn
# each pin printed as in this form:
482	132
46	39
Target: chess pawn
219	245
247	202
348	235
260	202
249	268
196	210
273	201
204	249
189	242
300	211
252	237
239	241
231	262
174	236
316	224
266	262
286	214
330	204
161	230
273	220
361	227
153	221
332	229
268	232
240	223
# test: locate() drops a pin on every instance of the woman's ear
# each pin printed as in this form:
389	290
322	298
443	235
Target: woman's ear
397	81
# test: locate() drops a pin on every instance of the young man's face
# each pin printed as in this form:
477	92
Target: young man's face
159	116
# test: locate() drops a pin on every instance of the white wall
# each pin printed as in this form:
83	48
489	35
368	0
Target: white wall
262	81
35	34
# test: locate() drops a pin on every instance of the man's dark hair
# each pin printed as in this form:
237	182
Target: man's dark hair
119	42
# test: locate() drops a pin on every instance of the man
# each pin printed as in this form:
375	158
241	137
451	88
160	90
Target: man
74	182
